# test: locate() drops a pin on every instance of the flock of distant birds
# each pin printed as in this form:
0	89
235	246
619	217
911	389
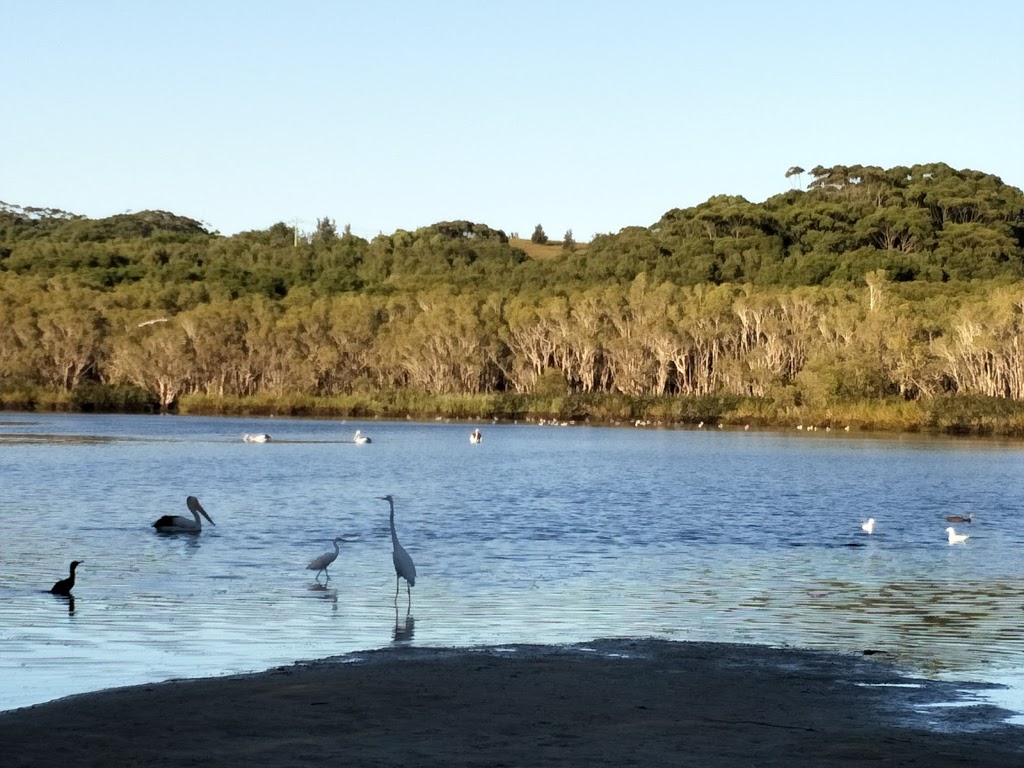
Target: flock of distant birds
868	526
404	566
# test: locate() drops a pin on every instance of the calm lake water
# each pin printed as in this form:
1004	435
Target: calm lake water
536	535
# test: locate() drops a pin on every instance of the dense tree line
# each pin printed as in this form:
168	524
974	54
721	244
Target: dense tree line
871	283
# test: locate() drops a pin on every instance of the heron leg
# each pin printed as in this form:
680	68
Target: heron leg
396	590
327	574
409	590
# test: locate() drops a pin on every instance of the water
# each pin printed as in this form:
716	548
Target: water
537	535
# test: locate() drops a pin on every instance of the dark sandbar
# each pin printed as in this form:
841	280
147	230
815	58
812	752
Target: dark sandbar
606	703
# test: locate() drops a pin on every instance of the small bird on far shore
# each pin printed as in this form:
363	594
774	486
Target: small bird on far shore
64	586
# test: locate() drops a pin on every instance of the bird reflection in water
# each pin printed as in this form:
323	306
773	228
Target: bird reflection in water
70	600
404	633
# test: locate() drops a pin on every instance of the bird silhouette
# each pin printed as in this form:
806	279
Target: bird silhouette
960	518
404	566
179	524
64	586
319	564
868	526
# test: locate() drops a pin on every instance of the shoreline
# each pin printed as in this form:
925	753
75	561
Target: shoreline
606	702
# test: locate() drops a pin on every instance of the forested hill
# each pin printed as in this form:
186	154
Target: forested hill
922	223
898	286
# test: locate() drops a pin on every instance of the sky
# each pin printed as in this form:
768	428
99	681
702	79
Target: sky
582	116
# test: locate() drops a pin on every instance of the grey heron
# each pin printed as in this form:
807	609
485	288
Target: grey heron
320	563
404	567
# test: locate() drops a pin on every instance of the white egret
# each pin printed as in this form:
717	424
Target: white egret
360	438
476	436
404	567
64	586
868	526
960	518
319	564
178	524
956	538
257	438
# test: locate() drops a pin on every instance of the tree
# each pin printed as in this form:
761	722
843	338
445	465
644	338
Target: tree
538	235
568	244
326	231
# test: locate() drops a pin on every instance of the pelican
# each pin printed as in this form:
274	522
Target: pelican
956	538
475	436
360	438
64	586
257	438
178	524
960	518
319	564
868	526
404	567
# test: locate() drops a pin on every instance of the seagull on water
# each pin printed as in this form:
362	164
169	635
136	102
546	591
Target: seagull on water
956	538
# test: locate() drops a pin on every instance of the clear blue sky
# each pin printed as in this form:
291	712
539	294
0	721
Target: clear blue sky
589	116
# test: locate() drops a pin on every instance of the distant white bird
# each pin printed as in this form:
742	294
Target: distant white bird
956	538
960	518
360	438
475	436
319	564
178	524
257	438
868	526
64	586
404	567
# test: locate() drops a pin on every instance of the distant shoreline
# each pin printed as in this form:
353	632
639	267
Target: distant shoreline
955	415
609	702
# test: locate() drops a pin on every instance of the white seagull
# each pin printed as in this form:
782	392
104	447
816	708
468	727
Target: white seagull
956	538
868	526
178	524
319	564
258	438
360	438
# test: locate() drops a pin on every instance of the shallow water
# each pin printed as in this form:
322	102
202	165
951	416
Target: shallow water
538	534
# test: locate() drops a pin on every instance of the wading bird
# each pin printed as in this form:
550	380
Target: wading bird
360	438
956	538
960	518
64	586
258	438
404	567
319	564
178	524
868	526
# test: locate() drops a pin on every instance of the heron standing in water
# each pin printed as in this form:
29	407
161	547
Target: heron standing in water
319	564
404	567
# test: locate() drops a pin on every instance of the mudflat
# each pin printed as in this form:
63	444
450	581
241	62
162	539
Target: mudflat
606	703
